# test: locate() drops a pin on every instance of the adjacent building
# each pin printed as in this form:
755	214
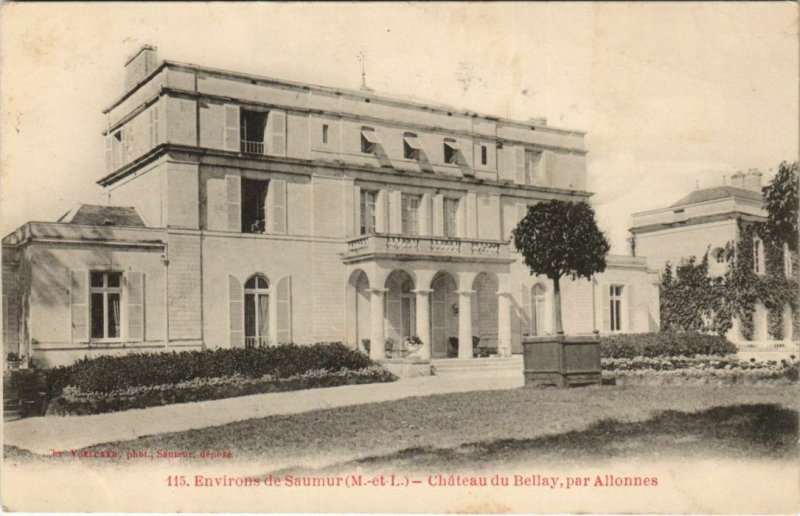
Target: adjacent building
247	211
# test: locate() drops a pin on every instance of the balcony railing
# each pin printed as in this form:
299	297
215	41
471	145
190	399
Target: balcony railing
256	342
430	247
249	147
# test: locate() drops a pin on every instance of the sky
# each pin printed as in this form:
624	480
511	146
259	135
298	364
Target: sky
671	96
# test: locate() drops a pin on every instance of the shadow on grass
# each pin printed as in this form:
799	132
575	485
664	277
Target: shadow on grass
763	430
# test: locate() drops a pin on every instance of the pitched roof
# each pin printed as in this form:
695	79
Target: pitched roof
716	193
95	215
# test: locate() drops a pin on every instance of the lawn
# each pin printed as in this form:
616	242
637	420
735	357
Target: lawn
512	425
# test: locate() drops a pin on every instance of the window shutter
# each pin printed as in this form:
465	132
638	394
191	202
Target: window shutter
506	169
284	309
461	216
277	191
549	160
232	138
235	313
154	115
356	210
631	302
606	308
109	154
79	305
396	212
526	310
425	215
135	282
438	215
233	189
276	129
519	165
380	211
472	215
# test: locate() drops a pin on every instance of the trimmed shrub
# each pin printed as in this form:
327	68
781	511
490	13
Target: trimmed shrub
110	373
633	345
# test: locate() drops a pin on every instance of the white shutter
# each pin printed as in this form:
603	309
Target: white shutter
276	132
461	215
135	281
396	212
425	215
277	211
505	164
356	210
438	215
606	308
109	154
472	215
519	165
233	195
284	310
549	160
381	210
154	120
526	310
235	313
630	299
79	305
232	138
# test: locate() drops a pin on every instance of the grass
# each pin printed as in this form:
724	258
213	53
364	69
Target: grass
491	426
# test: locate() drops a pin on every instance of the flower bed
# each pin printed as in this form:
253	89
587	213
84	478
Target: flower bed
73	401
699	369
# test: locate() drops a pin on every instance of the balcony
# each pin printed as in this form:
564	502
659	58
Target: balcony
408	247
250	147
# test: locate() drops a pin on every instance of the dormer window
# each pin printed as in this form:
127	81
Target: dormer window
369	140
412	148
451	151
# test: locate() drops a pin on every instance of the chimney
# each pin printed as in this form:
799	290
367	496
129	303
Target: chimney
737	179
144	61
752	180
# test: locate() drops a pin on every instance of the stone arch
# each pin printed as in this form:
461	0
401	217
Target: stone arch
257	312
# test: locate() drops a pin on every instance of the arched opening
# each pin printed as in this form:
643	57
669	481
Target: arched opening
484	310
358	301
256	311
401	313
444	316
539	324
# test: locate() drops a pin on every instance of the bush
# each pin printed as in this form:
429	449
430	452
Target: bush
111	373
664	344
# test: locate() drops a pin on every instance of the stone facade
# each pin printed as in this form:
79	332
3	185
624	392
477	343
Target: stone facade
280	212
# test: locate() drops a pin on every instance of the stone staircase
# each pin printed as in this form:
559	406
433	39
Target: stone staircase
490	366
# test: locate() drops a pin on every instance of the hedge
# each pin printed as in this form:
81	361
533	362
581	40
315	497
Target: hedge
664	344
110	373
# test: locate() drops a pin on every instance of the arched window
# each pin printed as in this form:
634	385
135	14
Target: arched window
538	307
256	311
758	256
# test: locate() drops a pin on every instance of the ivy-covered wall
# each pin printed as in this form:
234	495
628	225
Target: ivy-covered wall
691	300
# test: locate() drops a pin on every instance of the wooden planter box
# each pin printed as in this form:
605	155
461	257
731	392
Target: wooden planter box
562	360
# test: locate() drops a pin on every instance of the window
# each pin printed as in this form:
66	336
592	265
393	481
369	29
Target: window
410	209
538	317
325	134
106	294
484	155
368	202
369	140
615	301
532	171
787	261
254	210
450	217
408	312
412	148
758	256
252	125
451	151
256	312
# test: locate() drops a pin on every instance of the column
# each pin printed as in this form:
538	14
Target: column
465	323
377	350
423	322
504	324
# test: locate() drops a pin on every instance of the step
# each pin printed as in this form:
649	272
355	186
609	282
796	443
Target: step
478	366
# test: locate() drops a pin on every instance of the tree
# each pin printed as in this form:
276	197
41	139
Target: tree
781	200
557	239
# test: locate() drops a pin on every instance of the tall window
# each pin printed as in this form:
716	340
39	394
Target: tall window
408	312
256	312
538	309
106	293
325	134
758	256
615	302
252	125
368	201
410	209
484	155
450	212
254	202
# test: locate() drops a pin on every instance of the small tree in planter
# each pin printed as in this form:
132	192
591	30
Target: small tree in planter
558	239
